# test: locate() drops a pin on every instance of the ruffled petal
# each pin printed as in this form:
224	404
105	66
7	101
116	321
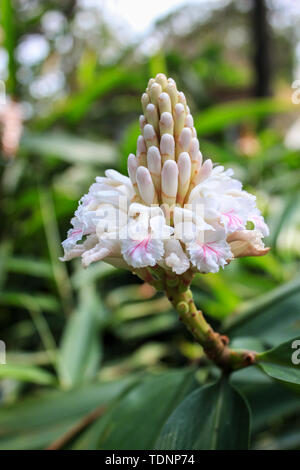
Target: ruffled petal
175	257
142	253
209	255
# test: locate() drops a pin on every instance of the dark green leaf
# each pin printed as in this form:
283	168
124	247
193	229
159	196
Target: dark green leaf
282	362
35	422
273	317
212	417
136	420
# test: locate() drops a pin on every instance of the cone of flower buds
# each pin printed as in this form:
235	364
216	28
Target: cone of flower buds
175	212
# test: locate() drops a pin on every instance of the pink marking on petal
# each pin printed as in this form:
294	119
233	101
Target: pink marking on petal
142	244
207	247
233	220
74	233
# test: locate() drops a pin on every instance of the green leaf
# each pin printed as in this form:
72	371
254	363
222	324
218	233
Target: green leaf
80	350
69	148
221	116
137	419
29	266
77	105
282	362
269	401
27	374
60	272
35	422
214	417
273	317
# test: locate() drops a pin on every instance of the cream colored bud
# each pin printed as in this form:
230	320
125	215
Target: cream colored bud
154	166
152	116
184	176
185	139
189	121
166	124
142	121
145	101
150	136
150	83
182	99
171	80
164	103
172	92
141	151
167	147
154	160
194	148
162	80
179	119
184	167
132	166
205	171
146	186
154	92
169	182
196	157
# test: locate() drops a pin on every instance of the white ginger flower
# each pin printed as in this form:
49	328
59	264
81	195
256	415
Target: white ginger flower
175	211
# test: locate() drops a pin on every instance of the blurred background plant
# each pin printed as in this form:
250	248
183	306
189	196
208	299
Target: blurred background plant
84	345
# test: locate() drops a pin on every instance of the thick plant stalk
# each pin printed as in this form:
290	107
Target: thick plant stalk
215	345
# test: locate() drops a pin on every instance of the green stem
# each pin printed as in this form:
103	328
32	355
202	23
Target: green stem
215	346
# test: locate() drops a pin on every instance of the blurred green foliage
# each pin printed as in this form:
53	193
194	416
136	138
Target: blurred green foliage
84	340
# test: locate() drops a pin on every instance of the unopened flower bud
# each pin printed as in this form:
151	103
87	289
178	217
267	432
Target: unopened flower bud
166	124
132	166
182	99
185	139
155	90
141	151
152	116
179	119
162	80
172	92
146	186
145	101
154	166
142	121
167	147
164	103
189	121
169	182
184	175
150	136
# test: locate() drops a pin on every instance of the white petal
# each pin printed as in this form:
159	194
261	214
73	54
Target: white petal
209	255
175	257
142	253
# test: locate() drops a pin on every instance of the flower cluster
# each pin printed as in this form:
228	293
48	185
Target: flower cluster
174	210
